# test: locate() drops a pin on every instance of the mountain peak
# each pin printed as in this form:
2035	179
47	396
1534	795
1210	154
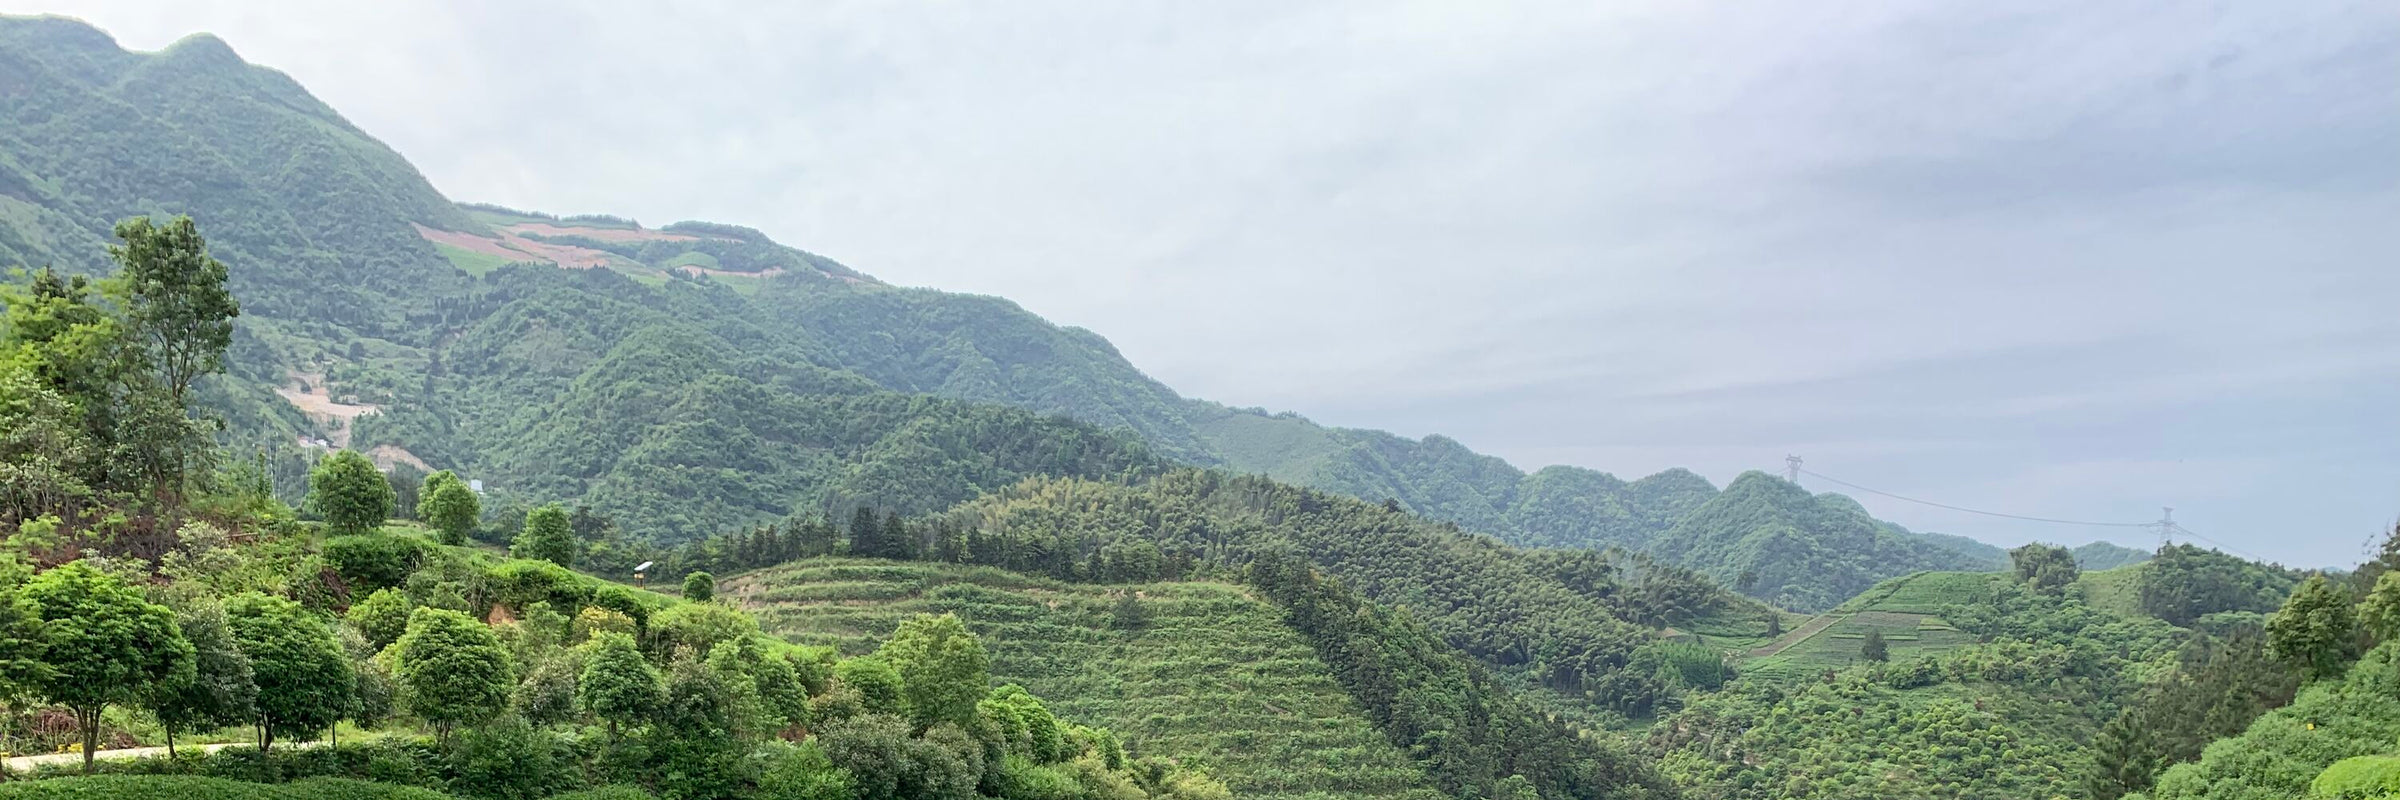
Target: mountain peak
203	50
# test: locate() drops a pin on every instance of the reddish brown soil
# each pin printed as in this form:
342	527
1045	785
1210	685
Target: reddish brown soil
513	247
601	234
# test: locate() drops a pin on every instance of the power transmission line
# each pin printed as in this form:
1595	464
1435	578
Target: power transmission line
2055	521
2166	525
2179	528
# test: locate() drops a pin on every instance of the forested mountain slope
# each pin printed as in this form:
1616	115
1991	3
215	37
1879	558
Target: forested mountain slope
364	287
1804	551
97	134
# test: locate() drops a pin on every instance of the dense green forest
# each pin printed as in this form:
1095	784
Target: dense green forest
151	587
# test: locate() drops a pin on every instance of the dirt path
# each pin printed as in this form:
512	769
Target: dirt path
1815	625
23	763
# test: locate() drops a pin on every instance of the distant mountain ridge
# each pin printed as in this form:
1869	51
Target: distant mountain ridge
629	379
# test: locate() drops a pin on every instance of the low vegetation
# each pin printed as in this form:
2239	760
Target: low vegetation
1200	669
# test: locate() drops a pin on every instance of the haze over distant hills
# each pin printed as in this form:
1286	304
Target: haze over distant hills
457	327
2135	265
891	543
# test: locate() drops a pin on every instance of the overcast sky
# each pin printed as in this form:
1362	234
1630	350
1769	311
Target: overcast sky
2081	258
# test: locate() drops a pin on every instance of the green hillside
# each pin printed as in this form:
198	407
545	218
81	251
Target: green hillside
1799	550
98	134
1569	620
2283	752
1989	688
633	400
1804	551
2104	555
1201	670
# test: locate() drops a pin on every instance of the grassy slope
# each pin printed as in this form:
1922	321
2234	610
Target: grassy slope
1907	610
1213	676
471	262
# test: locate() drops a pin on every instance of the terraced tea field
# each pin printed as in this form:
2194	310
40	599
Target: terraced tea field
1904	610
1209	674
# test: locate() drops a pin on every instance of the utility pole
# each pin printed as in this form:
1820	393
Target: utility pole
1791	469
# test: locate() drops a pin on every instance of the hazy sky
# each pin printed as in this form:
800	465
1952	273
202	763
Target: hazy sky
2081	258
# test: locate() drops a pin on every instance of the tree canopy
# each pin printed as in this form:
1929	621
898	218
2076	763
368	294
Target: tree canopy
548	536
446	503
943	669
353	496
102	644
305	679
451	668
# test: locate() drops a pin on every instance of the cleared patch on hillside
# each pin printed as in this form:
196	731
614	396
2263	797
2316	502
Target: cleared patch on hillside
596	233
387	456
307	391
472	262
513	247
1735	631
1211	674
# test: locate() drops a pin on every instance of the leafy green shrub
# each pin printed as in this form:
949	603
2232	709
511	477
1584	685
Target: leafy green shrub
381	617
520	583
371	561
2359	778
509	760
1021	779
2284	750
802	772
877	684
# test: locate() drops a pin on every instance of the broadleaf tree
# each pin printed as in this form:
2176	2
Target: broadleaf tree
305	679
451	669
102	645
943	669
350	493
449	506
618	685
221	691
548	536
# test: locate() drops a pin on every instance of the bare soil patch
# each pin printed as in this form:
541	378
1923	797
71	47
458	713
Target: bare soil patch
306	391
513	247
387	455
600	234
